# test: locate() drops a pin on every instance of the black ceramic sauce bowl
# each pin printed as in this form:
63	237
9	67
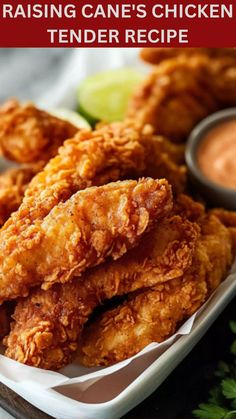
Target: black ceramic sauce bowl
214	194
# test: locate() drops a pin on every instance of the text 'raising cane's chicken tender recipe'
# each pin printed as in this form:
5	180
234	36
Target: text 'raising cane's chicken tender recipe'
108	241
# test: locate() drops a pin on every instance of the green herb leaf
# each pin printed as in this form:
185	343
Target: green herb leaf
222	398
232	326
229	388
208	411
233	347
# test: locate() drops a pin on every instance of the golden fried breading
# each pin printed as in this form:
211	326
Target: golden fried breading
160	162
215	238
91	158
13	183
185	206
163	254
182	91
48	323
160	157
154	314
157	55
150	316
228	218
162	145
92	225
28	134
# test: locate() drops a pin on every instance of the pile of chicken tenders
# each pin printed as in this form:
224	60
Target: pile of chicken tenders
103	246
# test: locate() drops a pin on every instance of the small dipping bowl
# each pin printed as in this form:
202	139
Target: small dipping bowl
216	194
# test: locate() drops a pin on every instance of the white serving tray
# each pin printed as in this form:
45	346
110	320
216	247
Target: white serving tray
107	393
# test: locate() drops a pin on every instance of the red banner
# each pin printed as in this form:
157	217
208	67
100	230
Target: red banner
117	23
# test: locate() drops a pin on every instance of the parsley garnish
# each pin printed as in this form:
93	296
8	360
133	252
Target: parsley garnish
222	398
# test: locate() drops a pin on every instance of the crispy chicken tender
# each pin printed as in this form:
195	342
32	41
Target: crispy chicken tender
28	134
152	315
149	316
182	91
80	233
163	161
185	206
91	158
162	145
228	218
157	55
48	323
110	153
13	183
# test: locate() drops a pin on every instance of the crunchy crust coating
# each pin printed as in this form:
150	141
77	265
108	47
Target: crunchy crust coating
154	314
80	233
157	55
164	161
28	134
112	152
91	158
162	145
115	151
185	206
182	91
163	254
150	316
13	183
48	323
228	218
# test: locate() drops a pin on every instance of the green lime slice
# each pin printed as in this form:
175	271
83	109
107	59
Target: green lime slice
70	116
105	96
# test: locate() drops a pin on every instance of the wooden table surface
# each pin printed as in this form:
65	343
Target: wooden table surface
182	391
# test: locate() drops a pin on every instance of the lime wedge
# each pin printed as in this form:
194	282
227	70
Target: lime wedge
105	96
70	116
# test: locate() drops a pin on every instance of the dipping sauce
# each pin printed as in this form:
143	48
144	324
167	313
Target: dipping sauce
216	154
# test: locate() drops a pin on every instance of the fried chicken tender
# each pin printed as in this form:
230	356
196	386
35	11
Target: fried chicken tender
13	183
28	134
185	206
162	161
162	145
91	158
80	233
157	55
228	218
110	153
48	323
152	315
181	91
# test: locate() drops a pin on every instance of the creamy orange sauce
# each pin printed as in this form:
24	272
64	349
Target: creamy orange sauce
216	154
